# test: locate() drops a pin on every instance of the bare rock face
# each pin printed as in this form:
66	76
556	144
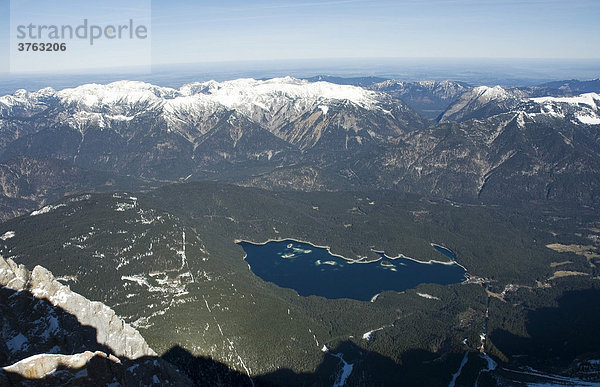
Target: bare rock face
50	335
12	275
83	367
90	369
121	338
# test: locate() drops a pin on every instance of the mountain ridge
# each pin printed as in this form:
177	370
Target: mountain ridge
264	132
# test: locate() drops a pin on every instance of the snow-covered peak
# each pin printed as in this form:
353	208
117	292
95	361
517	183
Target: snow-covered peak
585	107
241	94
23	96
91	95
270	103
19	97
485	93
247	91
482	101
193	108
258	99
590	99
24	103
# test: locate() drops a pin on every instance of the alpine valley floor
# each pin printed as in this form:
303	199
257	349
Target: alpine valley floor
166	261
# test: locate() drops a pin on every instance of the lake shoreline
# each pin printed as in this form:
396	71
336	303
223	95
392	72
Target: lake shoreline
310	269
360	260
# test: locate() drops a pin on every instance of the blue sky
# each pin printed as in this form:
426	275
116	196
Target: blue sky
186	31
232	30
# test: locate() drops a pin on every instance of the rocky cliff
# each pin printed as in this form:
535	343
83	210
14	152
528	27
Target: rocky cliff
52	335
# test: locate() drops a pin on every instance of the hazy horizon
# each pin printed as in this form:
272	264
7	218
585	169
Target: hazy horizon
506	72
206	34
506	42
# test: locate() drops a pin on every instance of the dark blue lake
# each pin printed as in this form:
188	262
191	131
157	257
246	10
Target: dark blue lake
313	270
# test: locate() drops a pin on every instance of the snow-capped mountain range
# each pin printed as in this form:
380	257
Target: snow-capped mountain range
268	103
482	102
204	120
292	133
